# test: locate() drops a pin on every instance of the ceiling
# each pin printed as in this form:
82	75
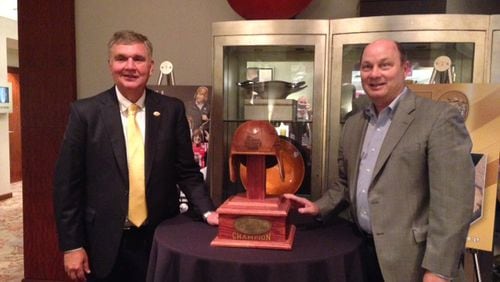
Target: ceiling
8	9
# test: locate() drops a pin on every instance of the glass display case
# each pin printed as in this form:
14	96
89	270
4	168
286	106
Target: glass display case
440	48
275	71
303	77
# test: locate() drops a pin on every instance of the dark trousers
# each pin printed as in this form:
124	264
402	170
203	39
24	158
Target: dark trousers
131	264
371	267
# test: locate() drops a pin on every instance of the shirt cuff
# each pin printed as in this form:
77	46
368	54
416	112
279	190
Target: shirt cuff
441	276
73	250
206	215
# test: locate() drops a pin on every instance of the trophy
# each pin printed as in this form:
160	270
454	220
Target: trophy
257	219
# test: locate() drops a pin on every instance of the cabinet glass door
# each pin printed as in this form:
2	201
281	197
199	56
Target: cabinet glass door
495	52
430	63
278	78
436	51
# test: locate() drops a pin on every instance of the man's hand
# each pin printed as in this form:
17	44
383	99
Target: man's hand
431	277
304	205
213	219
76	264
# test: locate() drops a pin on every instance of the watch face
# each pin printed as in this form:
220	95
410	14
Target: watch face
206	215
457	99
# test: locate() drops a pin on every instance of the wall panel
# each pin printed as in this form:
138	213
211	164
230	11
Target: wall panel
48	82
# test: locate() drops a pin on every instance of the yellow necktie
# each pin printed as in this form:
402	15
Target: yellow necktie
137	211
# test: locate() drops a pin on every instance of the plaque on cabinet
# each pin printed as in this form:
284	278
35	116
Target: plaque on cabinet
458	100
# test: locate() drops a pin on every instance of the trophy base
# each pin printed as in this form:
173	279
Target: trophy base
253	244
251	223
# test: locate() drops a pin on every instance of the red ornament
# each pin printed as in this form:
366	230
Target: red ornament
268	9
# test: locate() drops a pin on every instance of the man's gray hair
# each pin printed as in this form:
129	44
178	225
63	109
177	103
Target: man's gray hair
130	37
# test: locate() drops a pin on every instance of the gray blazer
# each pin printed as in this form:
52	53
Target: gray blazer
421	195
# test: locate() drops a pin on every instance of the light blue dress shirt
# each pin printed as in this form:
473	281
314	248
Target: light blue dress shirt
376	131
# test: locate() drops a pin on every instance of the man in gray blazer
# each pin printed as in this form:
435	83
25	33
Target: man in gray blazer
405	169
100	239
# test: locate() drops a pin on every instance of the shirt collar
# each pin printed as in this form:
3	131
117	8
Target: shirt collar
370	110
125	103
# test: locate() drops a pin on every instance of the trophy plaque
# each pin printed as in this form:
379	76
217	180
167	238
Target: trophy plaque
254	219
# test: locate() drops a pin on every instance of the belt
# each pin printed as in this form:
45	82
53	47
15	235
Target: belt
368	237
366	234
129	226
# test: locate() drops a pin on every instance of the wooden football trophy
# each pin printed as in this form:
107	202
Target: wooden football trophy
252	220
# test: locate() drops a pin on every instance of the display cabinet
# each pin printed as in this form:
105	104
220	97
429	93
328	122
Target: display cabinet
275	71
303	77
441	49
495	49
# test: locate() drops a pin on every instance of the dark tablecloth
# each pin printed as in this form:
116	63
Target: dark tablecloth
181	251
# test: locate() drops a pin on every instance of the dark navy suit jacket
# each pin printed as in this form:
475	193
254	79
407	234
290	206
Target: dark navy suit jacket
91	178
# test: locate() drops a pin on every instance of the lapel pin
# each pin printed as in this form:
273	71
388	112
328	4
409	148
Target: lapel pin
156	114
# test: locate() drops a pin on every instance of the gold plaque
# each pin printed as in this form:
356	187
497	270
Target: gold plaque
252	225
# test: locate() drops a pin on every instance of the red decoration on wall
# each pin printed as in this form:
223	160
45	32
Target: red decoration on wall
268	9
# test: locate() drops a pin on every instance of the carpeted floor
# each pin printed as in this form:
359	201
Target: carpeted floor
11	236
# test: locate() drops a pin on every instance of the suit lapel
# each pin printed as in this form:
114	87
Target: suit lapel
110	114
401	121
154	112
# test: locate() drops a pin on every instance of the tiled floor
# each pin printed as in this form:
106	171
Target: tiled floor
11	236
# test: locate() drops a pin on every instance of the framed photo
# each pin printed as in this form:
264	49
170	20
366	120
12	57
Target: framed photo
196	100
260	74
480	164
480	235
5	97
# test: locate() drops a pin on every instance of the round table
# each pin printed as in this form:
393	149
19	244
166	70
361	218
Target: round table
181	251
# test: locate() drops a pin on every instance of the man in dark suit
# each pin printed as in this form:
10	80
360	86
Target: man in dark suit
98	231
405	169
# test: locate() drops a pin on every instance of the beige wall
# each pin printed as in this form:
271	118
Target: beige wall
13	57
8	31
179	29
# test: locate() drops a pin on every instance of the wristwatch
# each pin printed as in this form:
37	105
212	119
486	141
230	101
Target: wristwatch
206	215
